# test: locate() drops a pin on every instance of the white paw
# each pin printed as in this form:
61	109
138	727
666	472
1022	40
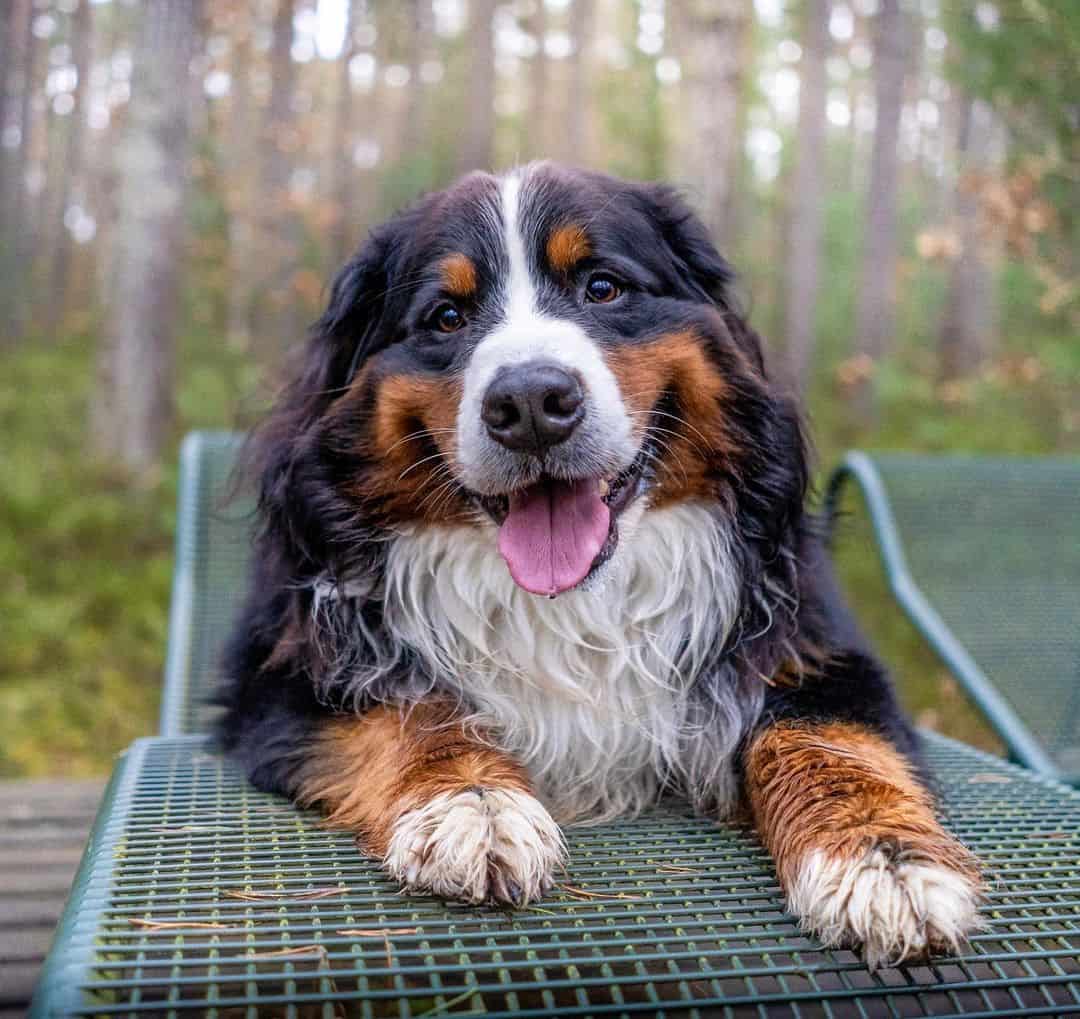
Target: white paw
897	909
480	845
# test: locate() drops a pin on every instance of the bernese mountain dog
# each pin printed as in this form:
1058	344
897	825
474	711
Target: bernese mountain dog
533	551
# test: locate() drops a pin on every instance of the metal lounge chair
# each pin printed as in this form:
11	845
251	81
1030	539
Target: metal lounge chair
198	894
983	554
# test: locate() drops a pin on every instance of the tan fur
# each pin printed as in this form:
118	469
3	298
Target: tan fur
841	790
459	277
414	418
567	245
676	363
367	771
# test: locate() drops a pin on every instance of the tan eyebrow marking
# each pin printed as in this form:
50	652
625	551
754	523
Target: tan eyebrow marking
458	274
567	246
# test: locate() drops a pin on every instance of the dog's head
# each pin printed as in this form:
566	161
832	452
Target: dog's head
547	355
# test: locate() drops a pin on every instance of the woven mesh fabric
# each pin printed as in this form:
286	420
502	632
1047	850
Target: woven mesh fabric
994	544
200	894
215	520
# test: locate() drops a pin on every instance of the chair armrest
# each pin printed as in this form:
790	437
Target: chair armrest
859	468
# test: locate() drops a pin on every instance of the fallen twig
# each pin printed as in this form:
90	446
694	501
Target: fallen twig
174	925
584	893
311	893
448	1004
183	828
282	953
359	932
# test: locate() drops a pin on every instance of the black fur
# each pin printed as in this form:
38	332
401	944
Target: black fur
285	659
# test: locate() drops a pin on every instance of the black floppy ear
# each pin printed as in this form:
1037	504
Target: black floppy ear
283	454
690	246
350	322
707	272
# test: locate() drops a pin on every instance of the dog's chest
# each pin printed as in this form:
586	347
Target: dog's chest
590	690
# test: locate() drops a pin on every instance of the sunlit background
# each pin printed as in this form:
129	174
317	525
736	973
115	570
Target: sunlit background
896	182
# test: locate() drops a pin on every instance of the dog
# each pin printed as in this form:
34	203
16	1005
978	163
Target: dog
533	550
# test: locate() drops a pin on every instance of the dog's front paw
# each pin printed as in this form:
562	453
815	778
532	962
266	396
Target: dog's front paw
900	905
478	845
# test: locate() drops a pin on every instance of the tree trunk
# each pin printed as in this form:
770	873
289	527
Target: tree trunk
342	237
19	219
968	325
132	410
808	198
536	141
9	40
578	138
875	317
239	150
478	145
71	168
274	309
715	32
415	119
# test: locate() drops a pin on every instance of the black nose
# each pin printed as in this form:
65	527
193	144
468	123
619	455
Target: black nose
533	406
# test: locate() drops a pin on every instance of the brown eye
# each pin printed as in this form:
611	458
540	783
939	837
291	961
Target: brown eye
448	319
602	289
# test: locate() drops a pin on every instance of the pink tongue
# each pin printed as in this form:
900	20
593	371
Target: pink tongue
552	534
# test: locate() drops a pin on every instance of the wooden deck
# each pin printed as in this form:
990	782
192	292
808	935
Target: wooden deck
43	828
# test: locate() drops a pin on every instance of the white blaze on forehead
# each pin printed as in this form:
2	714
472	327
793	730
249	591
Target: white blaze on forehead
520	294
526	333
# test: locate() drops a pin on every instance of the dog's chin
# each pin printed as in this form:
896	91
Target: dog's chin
597	513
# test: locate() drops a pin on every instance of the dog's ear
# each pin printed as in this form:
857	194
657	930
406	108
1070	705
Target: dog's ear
345	334
689	245
283	457
699	263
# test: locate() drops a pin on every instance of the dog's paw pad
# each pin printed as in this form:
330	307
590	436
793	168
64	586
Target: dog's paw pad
478	845
897	908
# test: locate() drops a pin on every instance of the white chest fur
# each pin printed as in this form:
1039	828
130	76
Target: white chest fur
589	689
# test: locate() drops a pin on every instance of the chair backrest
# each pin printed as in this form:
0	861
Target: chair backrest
994	545
213	540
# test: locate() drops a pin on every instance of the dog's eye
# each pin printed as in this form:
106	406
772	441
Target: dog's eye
447	319
602	289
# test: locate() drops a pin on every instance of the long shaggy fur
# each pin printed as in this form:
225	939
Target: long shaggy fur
590	690
387	665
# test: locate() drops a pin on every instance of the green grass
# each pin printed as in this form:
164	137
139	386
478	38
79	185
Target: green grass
85	578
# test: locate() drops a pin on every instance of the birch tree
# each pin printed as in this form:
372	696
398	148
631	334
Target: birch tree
808	194
714	33
875	316
131	415
967	330
478	144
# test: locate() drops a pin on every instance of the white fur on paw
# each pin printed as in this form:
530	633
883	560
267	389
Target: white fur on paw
478	845
896	909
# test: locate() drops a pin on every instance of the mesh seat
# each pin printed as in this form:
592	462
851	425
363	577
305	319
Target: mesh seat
199	894
985	556
213	538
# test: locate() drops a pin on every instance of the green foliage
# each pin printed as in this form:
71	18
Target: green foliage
85	580
1026	58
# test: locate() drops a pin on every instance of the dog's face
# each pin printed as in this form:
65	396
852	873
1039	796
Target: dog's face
548	356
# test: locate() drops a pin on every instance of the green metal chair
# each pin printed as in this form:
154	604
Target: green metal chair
213	528
198	894
984	556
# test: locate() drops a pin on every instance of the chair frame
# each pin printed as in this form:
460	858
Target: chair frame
859	467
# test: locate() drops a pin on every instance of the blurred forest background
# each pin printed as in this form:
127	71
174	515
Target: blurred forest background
897	182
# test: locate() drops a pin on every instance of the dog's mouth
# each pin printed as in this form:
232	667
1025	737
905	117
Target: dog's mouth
555	533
